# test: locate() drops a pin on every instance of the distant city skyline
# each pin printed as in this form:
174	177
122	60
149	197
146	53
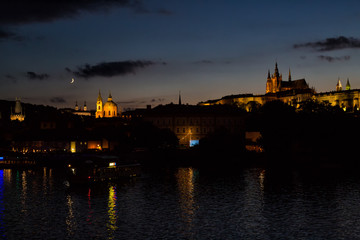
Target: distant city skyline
59	52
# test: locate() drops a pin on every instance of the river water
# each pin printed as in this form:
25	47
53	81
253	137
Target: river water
183	203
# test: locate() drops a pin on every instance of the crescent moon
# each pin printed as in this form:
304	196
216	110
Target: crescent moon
72	80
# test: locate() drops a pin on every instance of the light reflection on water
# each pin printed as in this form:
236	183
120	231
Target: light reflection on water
185	181
70	221
111	225
185	203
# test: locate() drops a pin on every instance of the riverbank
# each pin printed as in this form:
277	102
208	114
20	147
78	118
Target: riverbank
198	158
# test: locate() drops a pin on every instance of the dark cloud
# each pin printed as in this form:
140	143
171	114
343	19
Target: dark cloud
11	78
157	100
8	35
129	102
35	76
110	69
205	61
57	100
330	44
25	11
8	76
141	103
332	59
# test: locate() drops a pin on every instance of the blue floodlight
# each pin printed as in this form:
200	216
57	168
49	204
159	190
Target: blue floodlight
193	143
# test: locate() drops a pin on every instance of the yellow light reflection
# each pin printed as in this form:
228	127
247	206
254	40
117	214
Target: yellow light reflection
261	180
7	175
23	189
45	180
185	181
111	226
70	223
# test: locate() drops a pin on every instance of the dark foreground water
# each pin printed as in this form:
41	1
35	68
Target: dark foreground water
183	203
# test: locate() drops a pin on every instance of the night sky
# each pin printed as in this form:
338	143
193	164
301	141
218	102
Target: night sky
146	51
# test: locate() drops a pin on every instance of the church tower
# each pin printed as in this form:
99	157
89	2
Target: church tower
18	113
289	75
276	79
269	85
99	107
76	106
338	85
273	84
348	87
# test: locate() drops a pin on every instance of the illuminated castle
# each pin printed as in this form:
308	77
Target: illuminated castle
275	83
18	112
293	92
107	110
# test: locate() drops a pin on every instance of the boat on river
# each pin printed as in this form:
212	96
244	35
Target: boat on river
99	168
16	161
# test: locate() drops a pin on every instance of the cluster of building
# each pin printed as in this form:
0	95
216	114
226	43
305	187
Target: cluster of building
191	123
293	92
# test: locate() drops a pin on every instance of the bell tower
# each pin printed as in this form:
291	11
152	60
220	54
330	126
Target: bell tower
276	79
269	84
273	83
99	107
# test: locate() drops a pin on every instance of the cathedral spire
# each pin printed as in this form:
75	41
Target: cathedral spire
268	74
276	73
76	106
179	97
289	75
99	96
110	97
338	85
348	87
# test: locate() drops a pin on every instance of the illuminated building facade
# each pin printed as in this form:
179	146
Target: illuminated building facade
192	123
17	114
107	110
81	112
292	92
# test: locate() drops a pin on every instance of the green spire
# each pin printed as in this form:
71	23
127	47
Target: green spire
348	87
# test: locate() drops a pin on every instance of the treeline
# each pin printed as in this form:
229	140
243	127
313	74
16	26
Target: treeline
316	131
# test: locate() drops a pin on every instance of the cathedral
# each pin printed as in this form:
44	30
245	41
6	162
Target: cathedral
18	112
293	92
108	109
275	84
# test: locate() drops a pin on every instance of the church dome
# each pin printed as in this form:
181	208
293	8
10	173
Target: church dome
109	104
110	108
